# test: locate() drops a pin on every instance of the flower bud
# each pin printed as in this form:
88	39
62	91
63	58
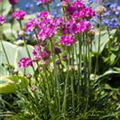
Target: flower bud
100	10
15	72
33	88
44	62
21	33
57	50
64	58
28	76
13	2
65	3
58	61
71	68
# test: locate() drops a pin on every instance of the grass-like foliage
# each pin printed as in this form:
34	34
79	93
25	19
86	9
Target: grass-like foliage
64	73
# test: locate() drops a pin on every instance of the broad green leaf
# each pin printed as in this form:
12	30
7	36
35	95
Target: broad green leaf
14	53
21	52
9	84
108	73
104	39
9	33
5	7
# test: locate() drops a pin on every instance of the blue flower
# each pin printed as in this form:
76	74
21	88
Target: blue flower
107	13
90	1
105	22
28	33
29	6
117	13
108	4
114	5
114	19
38	3
19	38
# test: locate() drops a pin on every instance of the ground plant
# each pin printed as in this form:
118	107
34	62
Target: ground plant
61	62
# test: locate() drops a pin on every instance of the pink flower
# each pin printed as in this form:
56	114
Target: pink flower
25	62
45	1
2	20
83	13
32	24
41	52
83	26
1	1
46	33
58	22
67	40
67	1
13	2
70	27
78	4
19	14
43	14
87	13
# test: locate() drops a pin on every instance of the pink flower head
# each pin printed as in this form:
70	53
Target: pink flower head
25	62
78	4
84	26
1	1
46	33
83	13
76	16
70	27
2	20
87	13
43	14
67	40
45	1
19	14
32	24
58	22
41	52
67	1
13	2
71	9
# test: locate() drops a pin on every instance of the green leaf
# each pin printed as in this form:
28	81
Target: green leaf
104	39
108	73
10	84
9	33
5	7
14	53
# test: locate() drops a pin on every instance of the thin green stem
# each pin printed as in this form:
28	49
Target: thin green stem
5	52
97	56
55	74
66	85
26	47
48	8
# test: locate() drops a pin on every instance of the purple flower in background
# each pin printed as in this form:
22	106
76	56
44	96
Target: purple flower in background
25	62
2	20
67	40
19	14
13	2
